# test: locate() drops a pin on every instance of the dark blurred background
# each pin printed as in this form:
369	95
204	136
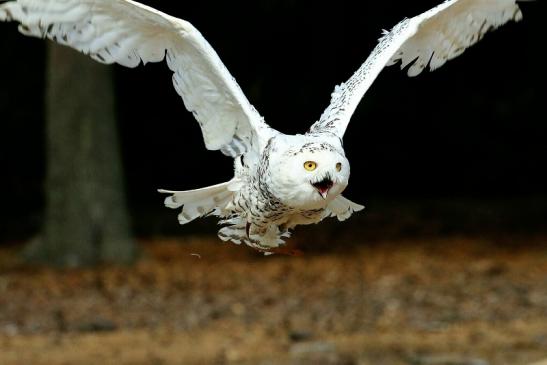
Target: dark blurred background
473	133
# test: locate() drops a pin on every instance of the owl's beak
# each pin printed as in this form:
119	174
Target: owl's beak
323	187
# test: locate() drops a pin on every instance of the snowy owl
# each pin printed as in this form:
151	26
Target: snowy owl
280	181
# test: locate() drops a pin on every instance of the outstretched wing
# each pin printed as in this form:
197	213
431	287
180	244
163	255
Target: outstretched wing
126	32
427	40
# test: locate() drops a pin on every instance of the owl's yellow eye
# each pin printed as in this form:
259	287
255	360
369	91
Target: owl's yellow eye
338	166
310	165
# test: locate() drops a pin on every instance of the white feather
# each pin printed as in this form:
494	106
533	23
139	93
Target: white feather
128	33
200	202
427	40
342	208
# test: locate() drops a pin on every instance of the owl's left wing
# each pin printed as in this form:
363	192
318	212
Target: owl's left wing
428	40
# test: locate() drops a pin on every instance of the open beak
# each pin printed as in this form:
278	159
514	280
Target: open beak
323	186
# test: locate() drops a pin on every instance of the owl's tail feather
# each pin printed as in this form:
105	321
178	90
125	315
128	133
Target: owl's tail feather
211	200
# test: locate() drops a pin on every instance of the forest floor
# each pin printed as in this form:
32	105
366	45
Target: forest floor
425	301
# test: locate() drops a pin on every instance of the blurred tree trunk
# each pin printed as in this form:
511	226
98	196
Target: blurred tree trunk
86	219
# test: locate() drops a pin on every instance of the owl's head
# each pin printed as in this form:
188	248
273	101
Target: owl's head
308	173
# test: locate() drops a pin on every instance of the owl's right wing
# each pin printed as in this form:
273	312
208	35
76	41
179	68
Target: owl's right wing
126	32
427	40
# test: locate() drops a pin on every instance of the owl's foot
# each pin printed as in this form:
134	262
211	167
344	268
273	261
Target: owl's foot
261	238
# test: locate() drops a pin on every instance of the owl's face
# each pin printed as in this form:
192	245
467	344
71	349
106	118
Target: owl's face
310	175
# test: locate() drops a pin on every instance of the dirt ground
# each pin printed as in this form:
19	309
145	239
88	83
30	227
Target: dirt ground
430	301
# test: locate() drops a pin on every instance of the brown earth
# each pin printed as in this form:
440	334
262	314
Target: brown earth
430	301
